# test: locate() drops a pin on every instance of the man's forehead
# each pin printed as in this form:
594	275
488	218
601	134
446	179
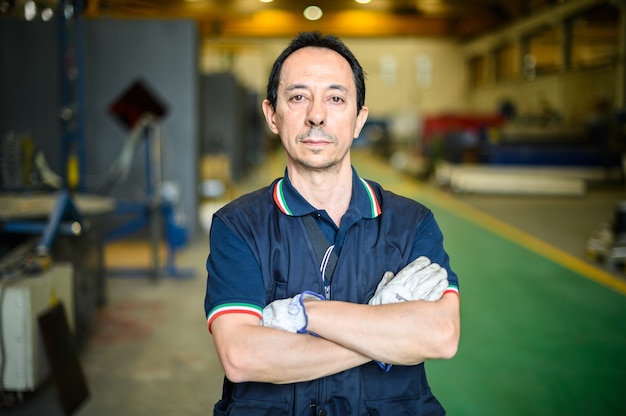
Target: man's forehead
314	61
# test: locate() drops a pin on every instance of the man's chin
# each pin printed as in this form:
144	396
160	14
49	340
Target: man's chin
317	163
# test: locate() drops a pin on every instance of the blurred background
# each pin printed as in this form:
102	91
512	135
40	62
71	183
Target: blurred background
125	124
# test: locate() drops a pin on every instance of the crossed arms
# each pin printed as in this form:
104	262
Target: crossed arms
404	333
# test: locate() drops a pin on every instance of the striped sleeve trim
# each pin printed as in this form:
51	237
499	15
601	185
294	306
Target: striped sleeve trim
452	289
227	308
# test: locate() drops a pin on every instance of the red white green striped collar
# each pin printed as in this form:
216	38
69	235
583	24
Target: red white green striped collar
364	200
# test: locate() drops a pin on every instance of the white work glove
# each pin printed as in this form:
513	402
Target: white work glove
419	280
289	314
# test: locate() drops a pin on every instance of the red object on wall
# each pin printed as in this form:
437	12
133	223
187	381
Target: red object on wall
439	126
134	102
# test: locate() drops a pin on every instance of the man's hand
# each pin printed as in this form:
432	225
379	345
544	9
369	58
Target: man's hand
289	314
419	280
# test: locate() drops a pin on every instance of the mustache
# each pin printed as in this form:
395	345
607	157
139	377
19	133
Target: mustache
316	132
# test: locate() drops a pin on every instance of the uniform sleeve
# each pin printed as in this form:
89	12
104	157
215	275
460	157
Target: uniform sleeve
234	280
429	242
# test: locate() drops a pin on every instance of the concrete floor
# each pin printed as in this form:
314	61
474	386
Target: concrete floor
150	352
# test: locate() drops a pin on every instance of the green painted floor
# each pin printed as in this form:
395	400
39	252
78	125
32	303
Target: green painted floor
542	334
537	338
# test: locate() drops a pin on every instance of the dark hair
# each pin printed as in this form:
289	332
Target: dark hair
317	40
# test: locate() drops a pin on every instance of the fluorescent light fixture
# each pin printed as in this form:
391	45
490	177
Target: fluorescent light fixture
362	1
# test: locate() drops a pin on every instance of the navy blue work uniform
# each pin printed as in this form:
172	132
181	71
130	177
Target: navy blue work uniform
261	251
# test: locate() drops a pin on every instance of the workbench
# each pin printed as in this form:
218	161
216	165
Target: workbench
63	227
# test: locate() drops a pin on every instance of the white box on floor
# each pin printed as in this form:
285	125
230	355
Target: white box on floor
23	363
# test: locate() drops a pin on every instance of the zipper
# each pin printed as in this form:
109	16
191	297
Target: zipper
323	265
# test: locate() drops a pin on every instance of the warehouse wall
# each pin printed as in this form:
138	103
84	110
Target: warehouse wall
28	84
404	75
231	122
163	55
573	94
412	93
577	61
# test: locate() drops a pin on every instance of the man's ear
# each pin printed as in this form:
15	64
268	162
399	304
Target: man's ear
361	118
270	114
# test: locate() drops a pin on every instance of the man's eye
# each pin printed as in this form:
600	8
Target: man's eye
297	98
336	100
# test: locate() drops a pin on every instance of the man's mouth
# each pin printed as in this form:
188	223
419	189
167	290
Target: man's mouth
316	136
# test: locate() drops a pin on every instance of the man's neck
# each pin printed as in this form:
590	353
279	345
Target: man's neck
328	190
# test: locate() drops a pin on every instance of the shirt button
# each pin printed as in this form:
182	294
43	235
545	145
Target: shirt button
322	412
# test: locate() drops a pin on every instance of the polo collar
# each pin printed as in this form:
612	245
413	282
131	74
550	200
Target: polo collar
364	200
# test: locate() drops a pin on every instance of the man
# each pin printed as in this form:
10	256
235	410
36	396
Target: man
293	337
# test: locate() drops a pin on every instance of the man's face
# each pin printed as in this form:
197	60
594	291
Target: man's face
315	112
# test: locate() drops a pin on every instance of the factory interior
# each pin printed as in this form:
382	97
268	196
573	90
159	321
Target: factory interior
125	124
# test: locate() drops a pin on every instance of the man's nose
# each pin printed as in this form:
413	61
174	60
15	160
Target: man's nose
316	115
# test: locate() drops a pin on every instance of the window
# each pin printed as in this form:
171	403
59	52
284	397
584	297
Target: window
507	62
544	52
595	36
477	70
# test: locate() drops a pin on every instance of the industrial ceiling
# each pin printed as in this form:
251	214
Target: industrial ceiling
459	19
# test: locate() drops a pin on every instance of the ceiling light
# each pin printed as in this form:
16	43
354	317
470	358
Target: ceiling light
313	13
30	10
266	1
46	14
362	1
